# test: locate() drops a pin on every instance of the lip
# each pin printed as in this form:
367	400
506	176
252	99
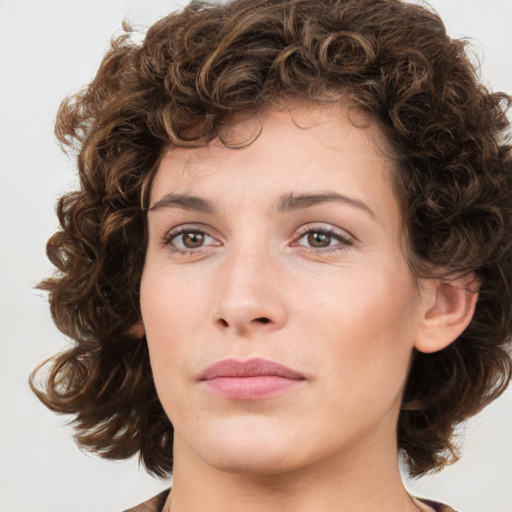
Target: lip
253	379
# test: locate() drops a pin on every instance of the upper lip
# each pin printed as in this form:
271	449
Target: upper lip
250	368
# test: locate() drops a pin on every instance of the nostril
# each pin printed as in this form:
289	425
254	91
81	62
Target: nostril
225	324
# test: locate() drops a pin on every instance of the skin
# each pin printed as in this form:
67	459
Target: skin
339	304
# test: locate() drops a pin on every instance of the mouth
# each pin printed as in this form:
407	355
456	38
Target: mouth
254	379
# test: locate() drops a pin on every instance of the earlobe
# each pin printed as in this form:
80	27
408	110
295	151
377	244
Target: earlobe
137	329
448	309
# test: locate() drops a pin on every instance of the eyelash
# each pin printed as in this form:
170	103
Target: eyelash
343	241
167	241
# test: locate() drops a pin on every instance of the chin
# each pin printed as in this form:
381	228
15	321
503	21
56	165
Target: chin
249	451
254	462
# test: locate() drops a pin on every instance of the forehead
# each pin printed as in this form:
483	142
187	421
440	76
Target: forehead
306	149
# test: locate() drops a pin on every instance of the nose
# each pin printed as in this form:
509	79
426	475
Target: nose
250	298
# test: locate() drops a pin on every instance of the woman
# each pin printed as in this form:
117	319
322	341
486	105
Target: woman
289	256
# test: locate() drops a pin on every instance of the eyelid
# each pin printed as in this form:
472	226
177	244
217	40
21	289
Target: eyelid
188	228
344	238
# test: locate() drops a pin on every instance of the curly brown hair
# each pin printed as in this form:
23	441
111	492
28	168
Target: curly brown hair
194	73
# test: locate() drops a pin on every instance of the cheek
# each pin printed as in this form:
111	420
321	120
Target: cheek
171	302
169	312
370	324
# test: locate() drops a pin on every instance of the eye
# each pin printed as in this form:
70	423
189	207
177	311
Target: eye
190	239
187	239
323	238
319	239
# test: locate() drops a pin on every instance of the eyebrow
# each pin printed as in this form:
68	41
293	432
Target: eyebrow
293	201
185	202
287	202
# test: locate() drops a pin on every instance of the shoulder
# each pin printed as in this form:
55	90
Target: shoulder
437	507
154	504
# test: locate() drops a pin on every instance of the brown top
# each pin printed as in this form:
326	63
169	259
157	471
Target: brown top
156	503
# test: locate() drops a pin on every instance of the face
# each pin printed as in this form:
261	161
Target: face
277	302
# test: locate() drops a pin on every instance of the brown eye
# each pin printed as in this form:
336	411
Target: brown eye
189	240
192	240
323	240
319	239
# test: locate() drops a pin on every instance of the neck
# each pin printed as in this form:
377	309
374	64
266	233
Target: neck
359	479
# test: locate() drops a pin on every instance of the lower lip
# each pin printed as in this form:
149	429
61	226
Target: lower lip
250	388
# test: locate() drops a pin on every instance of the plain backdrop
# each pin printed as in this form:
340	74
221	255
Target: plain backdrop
48	49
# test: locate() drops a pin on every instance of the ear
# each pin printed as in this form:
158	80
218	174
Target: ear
448	307
137	329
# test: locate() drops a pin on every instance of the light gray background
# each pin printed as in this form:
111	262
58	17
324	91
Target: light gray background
48	48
